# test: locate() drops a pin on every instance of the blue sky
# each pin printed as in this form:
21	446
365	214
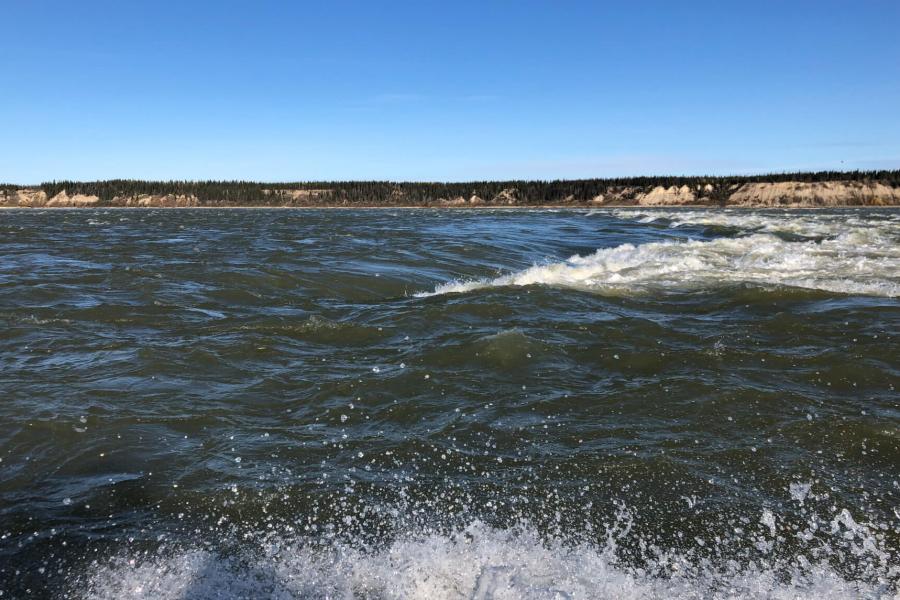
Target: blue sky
458	90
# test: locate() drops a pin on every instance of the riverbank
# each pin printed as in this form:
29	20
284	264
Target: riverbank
804	191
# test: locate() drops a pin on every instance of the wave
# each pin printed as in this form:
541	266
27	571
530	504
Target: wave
477	562
860	261
801	224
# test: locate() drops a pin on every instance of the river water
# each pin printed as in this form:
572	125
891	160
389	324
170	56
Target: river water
449	404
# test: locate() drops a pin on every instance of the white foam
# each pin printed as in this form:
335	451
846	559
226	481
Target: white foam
810	224
859	260
477	563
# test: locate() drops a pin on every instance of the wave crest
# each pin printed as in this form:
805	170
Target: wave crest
859	261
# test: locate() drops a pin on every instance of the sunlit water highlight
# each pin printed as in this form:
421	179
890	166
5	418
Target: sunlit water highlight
449	404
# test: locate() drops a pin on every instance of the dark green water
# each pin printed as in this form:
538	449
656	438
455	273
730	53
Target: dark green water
449	404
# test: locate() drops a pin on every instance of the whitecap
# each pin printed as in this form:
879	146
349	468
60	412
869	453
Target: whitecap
859	261
807	224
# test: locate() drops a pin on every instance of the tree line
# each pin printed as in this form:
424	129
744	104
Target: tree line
387	193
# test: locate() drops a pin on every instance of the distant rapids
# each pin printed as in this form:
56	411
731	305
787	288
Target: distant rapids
851	256
301	403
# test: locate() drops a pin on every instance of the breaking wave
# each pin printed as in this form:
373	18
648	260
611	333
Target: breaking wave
860	261
477	562
807	224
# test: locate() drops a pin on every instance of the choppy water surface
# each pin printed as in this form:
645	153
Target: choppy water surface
449	404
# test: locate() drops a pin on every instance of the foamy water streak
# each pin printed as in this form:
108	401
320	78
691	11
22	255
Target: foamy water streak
861	260
810	224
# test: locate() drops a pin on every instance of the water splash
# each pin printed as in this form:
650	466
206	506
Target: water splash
476	561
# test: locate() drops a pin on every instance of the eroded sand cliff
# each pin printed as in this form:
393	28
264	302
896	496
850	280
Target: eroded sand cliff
826	193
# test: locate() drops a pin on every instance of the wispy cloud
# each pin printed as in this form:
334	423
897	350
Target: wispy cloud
479	98
397	98
410	97
841	144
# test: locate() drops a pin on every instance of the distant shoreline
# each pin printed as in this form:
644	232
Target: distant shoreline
831	189
455	208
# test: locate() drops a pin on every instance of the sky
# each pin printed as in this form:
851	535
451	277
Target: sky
445	91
